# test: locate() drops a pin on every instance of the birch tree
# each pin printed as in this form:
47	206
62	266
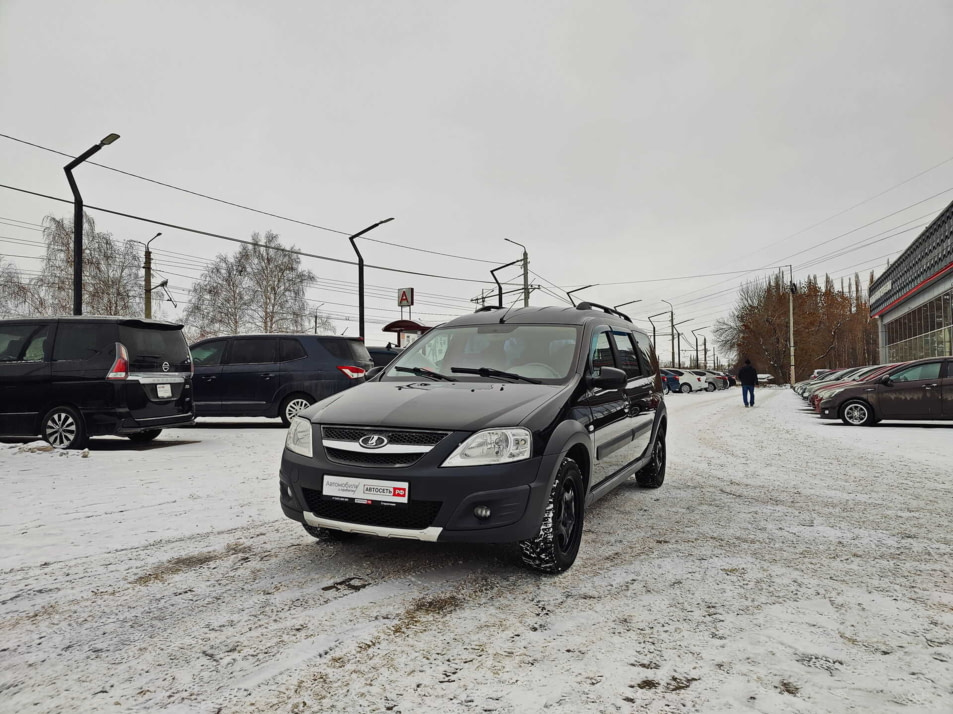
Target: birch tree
261	288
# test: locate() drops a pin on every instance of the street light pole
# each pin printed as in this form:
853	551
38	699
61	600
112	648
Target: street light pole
147	266
525	271
499	287
676	332
696	330
360	273
653	326
570	292
78	221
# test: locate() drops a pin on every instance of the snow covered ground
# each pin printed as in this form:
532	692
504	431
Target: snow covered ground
787	565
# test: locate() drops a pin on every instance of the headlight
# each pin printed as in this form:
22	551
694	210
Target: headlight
299	437
492	446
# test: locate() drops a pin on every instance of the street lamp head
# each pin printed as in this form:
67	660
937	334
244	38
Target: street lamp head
109	139
510	240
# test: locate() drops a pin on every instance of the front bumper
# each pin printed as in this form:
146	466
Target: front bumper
828	409
441	500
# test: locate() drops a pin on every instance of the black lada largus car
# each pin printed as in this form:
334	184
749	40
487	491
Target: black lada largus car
496	427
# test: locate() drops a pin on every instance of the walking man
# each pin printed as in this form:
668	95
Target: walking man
748	376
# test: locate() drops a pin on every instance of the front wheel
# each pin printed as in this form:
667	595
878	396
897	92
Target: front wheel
292	405
653	473
144	436
685	388
555	547
857	413
63	428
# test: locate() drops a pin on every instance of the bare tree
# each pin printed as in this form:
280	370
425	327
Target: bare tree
111	284
111	278
13	291
261	288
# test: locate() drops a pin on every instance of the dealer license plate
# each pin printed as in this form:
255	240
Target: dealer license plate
164	391
364	490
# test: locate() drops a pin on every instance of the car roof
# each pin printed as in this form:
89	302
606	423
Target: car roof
99	319
284	334
548	315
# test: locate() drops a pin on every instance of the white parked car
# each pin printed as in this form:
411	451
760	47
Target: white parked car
689	380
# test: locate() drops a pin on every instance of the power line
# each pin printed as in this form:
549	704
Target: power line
156	222
236	205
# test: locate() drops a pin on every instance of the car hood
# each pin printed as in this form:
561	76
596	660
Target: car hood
459	406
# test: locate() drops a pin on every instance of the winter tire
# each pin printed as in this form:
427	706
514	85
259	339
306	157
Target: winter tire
63	428
685	388
144	436
555	547
326	534
291	405
711	387
857	412
653	473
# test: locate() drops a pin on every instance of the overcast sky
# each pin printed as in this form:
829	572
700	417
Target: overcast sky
619	141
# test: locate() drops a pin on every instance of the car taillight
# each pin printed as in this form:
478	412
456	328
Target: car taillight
351	372
120	368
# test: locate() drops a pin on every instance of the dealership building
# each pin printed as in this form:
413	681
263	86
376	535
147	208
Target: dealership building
913	298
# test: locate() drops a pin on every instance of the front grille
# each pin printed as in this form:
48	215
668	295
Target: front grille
416	515
379	457
403	438
370	458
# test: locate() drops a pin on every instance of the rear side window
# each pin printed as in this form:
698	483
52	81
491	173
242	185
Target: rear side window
149	347
208	354
291	350
928	370
24	343
649	363
346	350
253	350
78	341
625	348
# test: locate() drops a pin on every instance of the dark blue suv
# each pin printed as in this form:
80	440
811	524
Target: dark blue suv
274	375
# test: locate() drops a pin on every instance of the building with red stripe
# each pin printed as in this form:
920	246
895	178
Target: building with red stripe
913	298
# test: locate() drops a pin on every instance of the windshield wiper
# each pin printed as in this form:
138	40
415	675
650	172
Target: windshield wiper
424	372
490	372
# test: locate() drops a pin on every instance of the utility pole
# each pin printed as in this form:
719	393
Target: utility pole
525	271
792	288
147	266
671	315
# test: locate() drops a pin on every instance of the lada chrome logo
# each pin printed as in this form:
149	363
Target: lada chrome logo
373	441
165	366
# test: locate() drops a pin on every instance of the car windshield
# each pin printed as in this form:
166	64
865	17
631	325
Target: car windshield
539	352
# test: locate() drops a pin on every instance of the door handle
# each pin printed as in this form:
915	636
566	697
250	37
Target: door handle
268	376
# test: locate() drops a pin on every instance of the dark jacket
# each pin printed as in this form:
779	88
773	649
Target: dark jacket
748	376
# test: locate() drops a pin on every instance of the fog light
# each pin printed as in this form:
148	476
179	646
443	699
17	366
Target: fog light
482	512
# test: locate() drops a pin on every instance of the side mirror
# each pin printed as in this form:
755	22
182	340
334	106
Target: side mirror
886	380
372	372
609	378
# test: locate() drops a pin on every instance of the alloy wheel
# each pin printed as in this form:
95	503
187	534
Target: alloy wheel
295	406
60	430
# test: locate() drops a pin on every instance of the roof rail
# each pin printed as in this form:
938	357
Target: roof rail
488	308
604	308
